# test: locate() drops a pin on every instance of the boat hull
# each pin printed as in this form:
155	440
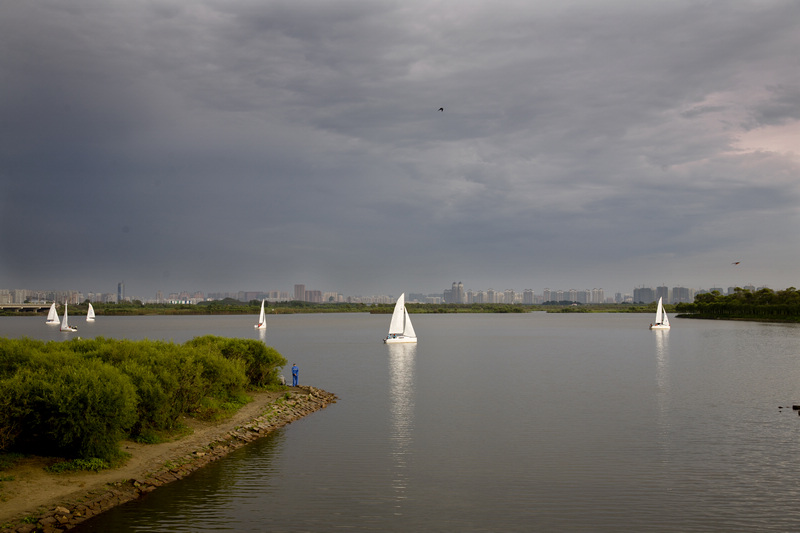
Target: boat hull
261	326
658	326
399	339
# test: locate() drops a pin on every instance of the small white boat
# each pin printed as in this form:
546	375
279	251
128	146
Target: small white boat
262	318
65	322
400	328
90	314
52	315
662	320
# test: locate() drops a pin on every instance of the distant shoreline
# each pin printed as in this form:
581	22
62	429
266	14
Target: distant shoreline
281	308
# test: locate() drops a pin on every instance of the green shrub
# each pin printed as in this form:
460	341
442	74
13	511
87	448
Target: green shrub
167	378
222	378
68	405
80	397
8	460
15	353
261	362
92	465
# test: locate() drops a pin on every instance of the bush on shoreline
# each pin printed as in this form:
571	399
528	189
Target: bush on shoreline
79	398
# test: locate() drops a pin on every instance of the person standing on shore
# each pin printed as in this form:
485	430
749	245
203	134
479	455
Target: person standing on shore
295	372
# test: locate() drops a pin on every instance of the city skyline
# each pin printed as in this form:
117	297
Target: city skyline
458	293
230	145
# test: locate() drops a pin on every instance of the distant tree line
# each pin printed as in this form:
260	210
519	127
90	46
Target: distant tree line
79	398
763	304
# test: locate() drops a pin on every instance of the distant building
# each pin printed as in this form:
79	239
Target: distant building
681	295
644	295
121	291
528	297
300	292
313	296
455	295
598	296
662	292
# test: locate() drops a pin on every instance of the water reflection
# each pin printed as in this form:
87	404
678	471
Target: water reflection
662	356
401	369
210	499
663	381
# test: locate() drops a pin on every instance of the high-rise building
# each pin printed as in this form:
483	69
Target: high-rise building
314	297
456	294
662	292
300	292
644	295
576	296
598	296
528	296
681	295
120	291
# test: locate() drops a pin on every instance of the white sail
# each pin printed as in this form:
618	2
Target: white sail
52	315
661	321
90	314
400	328
397	325
408	329
262	318
65	321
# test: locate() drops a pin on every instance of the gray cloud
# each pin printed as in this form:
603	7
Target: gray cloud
254	145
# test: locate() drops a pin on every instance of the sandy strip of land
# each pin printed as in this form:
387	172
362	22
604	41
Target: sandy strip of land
35	494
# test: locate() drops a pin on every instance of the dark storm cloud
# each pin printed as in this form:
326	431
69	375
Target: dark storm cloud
253	145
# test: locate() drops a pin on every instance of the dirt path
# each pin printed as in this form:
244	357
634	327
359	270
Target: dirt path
34	492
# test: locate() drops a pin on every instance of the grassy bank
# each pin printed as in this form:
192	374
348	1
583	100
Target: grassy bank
79	398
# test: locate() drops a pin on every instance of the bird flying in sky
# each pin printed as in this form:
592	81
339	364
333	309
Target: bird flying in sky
441	109
736	262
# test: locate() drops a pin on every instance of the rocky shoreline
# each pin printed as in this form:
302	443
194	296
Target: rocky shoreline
296	404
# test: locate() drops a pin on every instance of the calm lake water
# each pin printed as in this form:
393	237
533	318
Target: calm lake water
531	422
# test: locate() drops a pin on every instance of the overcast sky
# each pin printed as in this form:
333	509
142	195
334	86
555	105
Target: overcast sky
225	145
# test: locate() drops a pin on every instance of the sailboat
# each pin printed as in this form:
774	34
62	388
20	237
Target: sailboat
662	321
65	322
52	315
262	318
90	314
400	328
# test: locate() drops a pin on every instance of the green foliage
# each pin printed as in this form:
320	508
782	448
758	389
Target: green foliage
763	304
214	409
92	465
79	398
16	353
261	363
8	460
64	403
